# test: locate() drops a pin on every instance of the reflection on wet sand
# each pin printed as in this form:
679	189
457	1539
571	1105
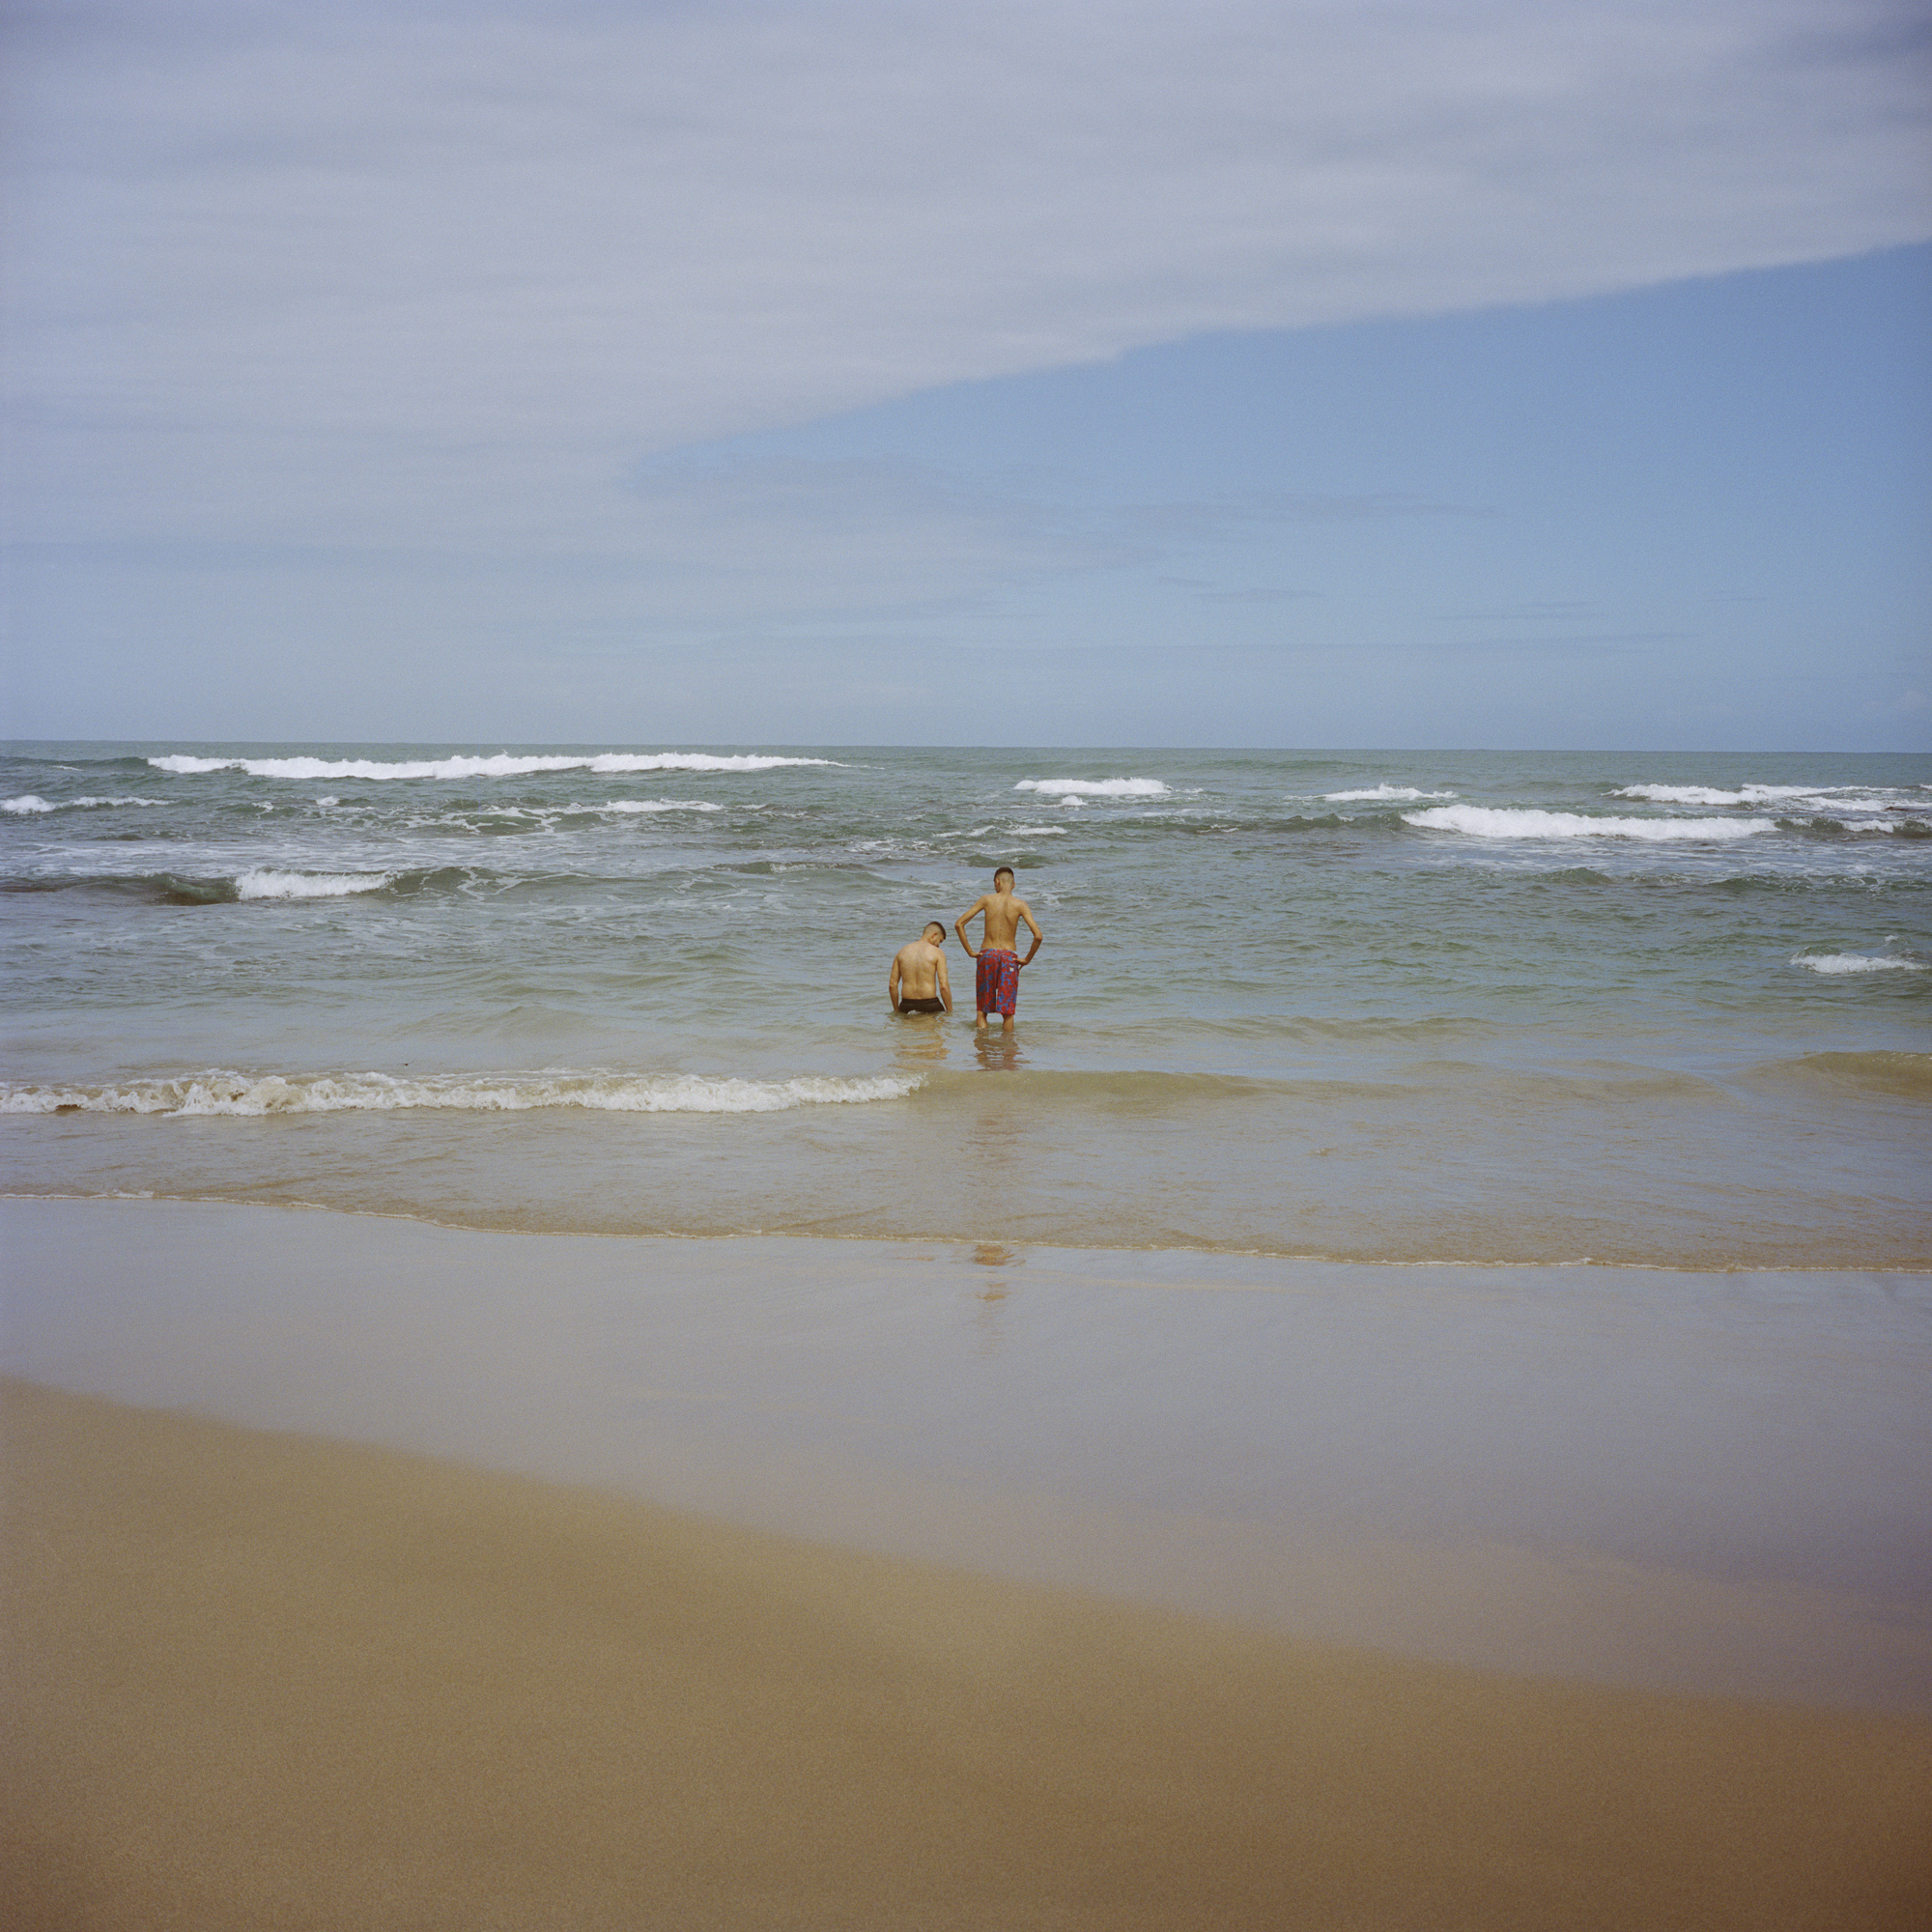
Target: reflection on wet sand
999	1052
1383	1456
988	1304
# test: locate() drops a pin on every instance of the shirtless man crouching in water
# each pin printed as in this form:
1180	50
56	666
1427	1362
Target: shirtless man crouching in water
998	988
917	981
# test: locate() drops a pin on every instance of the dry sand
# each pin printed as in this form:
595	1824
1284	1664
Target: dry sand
262	1680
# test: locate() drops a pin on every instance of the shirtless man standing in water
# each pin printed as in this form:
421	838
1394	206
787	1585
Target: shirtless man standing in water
998	988
917	981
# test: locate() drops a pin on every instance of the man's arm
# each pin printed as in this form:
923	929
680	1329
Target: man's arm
892	984
979	905
945	985
1025	911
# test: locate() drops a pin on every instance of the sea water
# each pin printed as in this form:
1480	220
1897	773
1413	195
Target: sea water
1390	1007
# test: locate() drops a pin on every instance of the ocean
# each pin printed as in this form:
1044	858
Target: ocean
1475	1008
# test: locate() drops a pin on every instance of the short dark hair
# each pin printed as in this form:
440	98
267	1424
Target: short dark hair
933	926
1006	870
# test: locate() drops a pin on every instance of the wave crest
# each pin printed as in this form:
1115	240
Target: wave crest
1832	797
262	882
649	804
258	1096
1094	787
1836	963
1482	821
502	765
1386	794
32	802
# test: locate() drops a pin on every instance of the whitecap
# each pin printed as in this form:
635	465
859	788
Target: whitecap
29	802
502	765
1387	793
1482	821
262	882
1842	798
256	1096
1064	788
650	804
1858	962
1036	831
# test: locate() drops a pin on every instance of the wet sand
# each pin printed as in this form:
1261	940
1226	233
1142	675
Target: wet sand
1716	1483
365	1574
265	1680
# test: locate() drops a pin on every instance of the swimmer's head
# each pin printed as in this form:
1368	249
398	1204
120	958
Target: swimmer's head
1005	872
936	933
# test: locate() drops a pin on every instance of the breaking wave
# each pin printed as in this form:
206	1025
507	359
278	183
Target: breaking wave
649	804
1386	794
1858	962
504	765
261	882
1482	821
257	1095
1094	787
32	802
1840	798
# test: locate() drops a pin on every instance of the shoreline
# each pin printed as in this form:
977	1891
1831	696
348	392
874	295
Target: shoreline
1917	1266
1722	1490
264	1676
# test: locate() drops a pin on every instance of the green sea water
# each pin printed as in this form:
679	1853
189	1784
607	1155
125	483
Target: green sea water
1407	1006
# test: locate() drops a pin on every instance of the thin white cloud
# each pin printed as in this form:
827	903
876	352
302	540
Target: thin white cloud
386	275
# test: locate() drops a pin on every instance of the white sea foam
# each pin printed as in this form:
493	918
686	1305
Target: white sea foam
1065	789
1482	821
249	1096
29	802
504	765
650	804
1860	962
1848	798
1388	792
261	882
1038	831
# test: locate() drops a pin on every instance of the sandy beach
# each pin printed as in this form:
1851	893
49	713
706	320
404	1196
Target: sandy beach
1382	1383
827	1584
265	1680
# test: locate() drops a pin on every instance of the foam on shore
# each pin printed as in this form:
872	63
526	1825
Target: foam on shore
221	1093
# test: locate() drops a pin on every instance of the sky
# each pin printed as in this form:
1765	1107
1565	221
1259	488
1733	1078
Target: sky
1322	372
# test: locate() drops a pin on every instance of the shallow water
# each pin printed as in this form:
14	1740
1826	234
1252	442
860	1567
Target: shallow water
1411	1007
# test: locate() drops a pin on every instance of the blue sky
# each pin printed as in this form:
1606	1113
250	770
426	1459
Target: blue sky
1695	515
1313	375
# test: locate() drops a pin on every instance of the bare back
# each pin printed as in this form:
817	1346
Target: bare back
1003	913
918	969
